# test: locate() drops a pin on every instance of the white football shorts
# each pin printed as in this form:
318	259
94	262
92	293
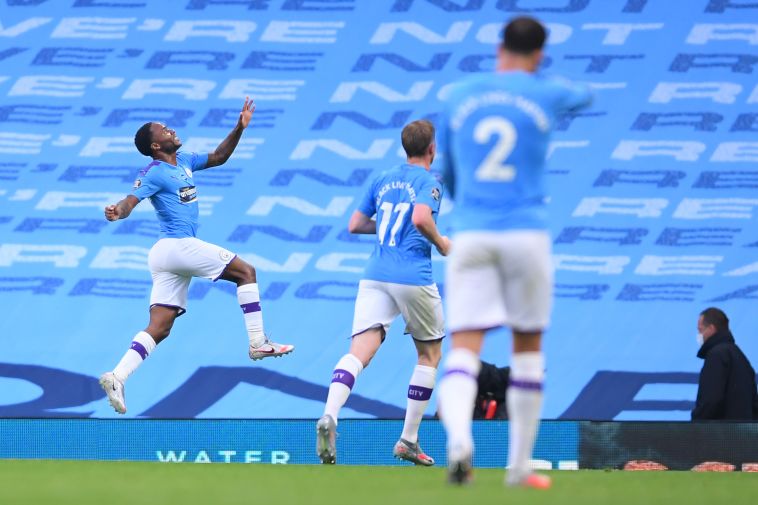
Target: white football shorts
502	278
174	262
379	303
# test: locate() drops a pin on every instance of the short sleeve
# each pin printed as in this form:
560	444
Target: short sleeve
571	96
146	184
430	193
196	161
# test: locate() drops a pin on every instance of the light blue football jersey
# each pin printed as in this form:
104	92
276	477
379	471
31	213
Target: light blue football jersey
402	255
172	192
495	131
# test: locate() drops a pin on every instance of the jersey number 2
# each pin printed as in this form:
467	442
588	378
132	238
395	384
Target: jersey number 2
388	209
493	167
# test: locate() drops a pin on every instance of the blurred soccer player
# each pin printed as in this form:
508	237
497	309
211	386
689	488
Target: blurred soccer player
398	280
178	255
495	130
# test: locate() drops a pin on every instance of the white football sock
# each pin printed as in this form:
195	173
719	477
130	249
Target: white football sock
524	397
142	345
457	393
419	392
250	303
343	378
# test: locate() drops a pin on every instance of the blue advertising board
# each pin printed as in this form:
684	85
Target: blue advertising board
271	441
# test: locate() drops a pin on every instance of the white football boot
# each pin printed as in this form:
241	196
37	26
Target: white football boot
114	388
269	349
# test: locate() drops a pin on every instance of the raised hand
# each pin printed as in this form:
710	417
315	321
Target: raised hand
246	113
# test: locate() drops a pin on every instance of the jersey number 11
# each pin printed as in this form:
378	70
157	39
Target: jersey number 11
388	208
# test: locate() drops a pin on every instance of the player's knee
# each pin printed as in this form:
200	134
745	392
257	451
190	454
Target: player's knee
247	274
430	355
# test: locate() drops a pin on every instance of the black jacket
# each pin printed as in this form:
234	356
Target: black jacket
491	386
727	387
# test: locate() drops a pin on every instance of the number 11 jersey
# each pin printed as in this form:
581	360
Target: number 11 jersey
402	255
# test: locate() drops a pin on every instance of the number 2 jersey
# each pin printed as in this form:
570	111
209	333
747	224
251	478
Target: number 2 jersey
172	192
402	255
495	131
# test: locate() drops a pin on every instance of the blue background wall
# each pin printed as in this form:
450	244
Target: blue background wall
653	202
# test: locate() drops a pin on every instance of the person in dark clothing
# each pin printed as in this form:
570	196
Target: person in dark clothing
726	388
492	383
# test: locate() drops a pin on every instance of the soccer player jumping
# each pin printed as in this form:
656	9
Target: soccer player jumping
178	255
398	280
497	127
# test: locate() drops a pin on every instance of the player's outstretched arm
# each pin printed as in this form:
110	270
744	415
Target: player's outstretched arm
122	209
227	146
424	223
361	223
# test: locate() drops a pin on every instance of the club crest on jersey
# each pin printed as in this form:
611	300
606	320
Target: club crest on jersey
187	194
436	194
137	183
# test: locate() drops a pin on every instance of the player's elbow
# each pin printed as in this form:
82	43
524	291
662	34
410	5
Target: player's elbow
216	158
355	225
360	223
126	206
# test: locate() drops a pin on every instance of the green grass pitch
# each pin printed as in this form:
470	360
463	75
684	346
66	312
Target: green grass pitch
116	483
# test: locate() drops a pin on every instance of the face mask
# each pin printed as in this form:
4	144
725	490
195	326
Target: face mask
700	339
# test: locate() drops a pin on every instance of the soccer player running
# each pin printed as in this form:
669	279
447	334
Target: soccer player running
397	280
178	255
499	272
